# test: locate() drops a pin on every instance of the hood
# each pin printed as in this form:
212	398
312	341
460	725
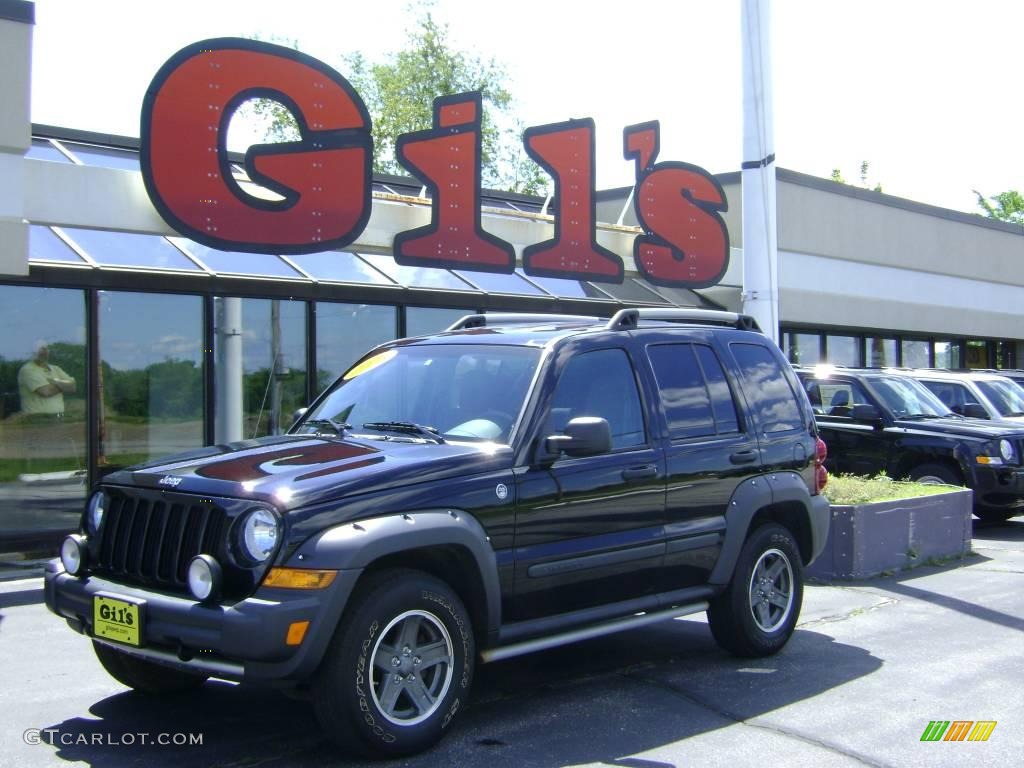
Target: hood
291	471
976	428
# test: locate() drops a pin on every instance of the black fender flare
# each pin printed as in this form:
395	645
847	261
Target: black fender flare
757	493
356	545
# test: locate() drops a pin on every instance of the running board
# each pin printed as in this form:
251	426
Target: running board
585	633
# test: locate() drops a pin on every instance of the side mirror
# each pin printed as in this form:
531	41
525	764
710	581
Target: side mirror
865	412
584	436
299	413
974	411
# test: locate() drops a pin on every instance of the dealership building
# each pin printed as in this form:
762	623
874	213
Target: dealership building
169	344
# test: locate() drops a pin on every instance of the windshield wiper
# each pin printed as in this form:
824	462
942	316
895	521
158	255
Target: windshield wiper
405	426
339	427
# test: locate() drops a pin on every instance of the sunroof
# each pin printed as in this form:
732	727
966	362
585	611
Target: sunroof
44	245
416	277
106	157
123	249
42	149
235	263
339	267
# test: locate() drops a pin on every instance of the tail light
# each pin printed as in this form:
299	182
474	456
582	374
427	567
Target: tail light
820	473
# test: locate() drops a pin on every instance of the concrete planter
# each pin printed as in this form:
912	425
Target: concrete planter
868	539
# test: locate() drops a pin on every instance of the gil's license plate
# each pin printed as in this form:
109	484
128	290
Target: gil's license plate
117	619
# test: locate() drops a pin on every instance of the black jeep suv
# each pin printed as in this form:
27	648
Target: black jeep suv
877	421
513	484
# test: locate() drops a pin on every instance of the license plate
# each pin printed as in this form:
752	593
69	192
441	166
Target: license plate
117	619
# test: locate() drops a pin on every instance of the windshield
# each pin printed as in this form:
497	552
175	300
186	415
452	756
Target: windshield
907	398
1005	395
463	391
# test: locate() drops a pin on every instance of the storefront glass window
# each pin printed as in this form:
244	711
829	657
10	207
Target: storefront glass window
345	332
106	157
42	410
339	267
416	277
235	263
151	376
947	354
977	354
420	321
42	149
44	245
843	350
803	348
123	249
916	354
260	366
494	282
881	352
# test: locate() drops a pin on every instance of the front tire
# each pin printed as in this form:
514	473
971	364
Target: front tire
399	667
934	474
145	676
757	613
995	515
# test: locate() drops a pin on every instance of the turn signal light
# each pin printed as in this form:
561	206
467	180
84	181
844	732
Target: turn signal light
296	632
820	473
299	578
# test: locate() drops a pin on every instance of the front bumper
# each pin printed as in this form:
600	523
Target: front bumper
240	641
999	487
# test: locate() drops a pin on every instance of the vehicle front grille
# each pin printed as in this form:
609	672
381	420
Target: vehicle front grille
151	540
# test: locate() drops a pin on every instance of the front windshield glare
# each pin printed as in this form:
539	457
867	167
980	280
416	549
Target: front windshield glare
907	397
464	391
1006	396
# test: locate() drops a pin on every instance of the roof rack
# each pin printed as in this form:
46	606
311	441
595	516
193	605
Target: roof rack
494	319
628	319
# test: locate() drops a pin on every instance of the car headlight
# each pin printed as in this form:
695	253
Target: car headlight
259	535
1006	451
95	511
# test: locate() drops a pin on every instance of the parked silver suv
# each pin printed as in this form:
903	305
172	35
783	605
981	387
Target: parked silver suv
975	394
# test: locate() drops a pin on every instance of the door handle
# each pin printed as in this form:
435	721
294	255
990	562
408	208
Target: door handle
640	473
743	457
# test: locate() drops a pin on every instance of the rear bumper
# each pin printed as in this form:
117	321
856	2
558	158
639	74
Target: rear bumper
240	641
821	518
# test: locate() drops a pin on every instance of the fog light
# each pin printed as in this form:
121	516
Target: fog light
74	554
205	578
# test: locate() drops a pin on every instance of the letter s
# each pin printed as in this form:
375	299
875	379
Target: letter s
324	178
686	242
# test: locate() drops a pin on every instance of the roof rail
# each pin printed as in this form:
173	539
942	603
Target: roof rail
628	319
495	319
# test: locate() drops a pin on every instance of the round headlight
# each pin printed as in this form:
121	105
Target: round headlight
204	578
94	517
259	535
73	554
1006	450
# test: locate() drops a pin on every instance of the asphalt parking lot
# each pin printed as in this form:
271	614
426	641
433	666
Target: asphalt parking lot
870	665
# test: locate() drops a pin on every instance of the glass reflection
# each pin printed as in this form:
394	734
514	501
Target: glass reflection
42	409
151	376
345	332
260	369
421	321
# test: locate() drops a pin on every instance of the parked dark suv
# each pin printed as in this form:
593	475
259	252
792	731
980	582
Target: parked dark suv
513	484
880	421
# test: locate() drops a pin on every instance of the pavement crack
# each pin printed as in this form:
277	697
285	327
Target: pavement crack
737	719
849	614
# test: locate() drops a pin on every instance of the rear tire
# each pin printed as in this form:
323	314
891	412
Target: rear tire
145	676
399	667
757	613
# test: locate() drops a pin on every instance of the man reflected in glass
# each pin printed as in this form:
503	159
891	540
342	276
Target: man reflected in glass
42	384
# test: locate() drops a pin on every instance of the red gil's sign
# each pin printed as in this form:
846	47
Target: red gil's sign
325	177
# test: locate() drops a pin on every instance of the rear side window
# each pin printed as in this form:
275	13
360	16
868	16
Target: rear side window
600	383
693	390
771	398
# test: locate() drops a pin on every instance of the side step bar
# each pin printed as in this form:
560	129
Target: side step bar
585	633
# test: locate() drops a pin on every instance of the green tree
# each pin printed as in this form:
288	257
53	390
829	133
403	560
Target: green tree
399	93
837	176
1006	206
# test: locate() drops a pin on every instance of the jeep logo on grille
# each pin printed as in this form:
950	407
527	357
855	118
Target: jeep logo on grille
170	480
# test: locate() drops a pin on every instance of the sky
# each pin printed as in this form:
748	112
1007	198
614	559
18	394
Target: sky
928	92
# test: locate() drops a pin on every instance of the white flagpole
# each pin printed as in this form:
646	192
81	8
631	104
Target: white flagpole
760	246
